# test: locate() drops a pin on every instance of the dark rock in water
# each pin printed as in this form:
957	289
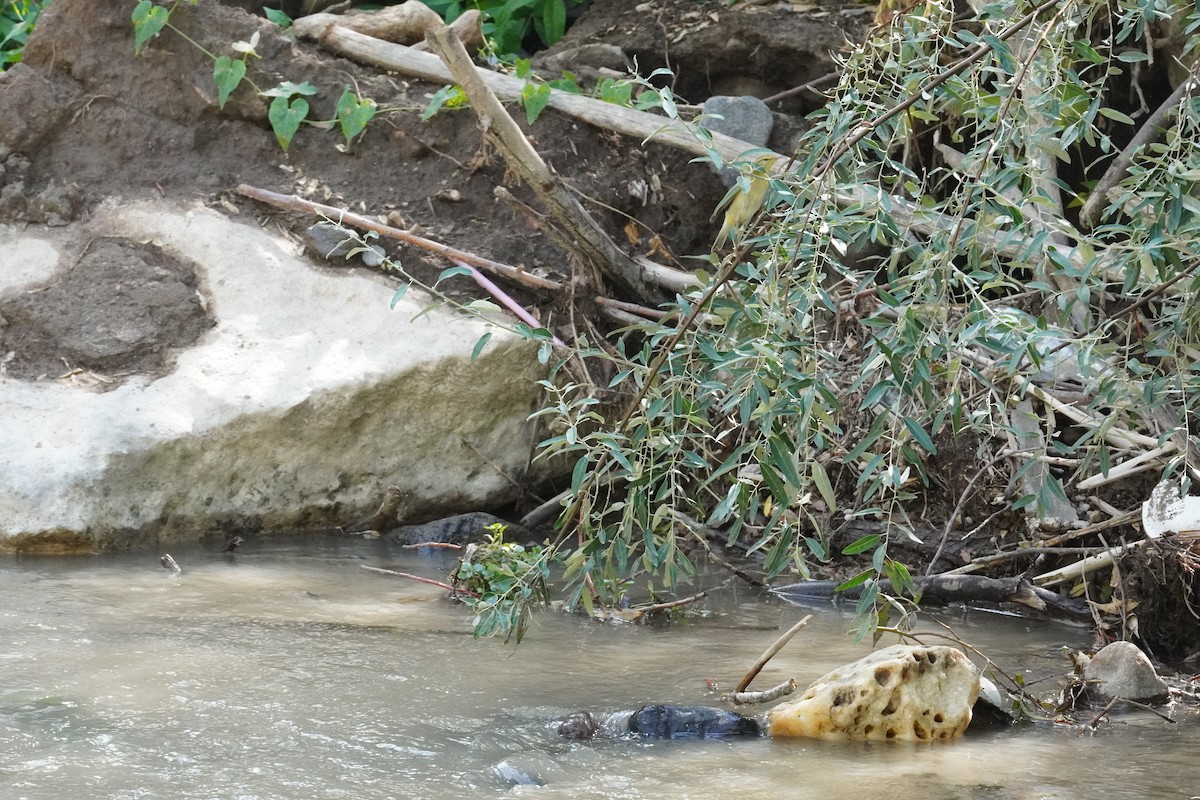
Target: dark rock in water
459	529
688	722
661	722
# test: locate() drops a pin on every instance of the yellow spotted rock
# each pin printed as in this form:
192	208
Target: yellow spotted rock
902	693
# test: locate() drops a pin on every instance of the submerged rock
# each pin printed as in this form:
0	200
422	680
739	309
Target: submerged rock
660	722
1122	670
903	692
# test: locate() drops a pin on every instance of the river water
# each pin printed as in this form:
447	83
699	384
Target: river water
289	673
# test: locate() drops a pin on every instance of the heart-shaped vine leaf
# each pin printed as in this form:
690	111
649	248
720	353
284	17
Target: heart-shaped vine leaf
353	113
285	116
228	73
148	22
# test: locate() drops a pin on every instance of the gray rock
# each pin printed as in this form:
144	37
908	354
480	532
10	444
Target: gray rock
1122	670
458	529
746	118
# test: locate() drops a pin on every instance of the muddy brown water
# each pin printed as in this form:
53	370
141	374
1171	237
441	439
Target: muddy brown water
289	672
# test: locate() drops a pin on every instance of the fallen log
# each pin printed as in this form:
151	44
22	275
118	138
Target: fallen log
639	124
945	589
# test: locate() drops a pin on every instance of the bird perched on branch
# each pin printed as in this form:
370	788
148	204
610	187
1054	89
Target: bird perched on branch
745	198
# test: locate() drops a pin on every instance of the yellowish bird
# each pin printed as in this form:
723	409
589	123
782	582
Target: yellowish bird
745	198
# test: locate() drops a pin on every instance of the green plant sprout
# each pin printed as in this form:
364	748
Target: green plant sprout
502	582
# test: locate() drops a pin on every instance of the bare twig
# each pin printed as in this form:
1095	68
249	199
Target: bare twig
769	653
343	217
766	696
418	578
579	234
683	601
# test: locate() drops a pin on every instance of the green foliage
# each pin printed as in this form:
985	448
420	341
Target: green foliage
353	114
446	97
890	306
506	582
278	17
148	21
288	109
507	23
16	21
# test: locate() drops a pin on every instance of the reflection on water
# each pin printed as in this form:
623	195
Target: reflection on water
289	672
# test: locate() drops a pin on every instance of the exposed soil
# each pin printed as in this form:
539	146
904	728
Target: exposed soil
122	308
83	120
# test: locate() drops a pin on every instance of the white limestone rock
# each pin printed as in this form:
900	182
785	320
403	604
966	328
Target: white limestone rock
900	693
307	398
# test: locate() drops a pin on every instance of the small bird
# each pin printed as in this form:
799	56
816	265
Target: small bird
745	198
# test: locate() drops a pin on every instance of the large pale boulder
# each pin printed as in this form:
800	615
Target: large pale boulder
903	692
298	399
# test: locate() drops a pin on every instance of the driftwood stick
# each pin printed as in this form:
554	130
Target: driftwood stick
580	234
1151	459
419	579
502	297
774	693
1017	555
1118	437
342	216
768	654
546	511
1087	565
683	601
515	274
442	545
944	589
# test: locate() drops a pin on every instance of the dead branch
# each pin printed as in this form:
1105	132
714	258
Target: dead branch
768	654
766	696
419	579
579	234
682	135
1152	130
1123	519
1085	566
683	601
344	217
442	545
945	589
